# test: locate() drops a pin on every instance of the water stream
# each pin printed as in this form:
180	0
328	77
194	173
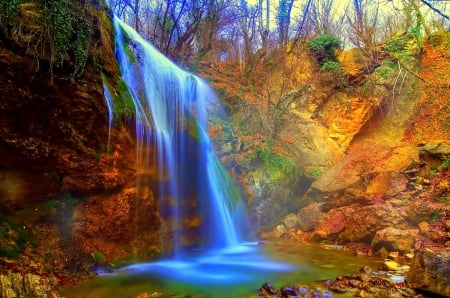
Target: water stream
198	197
172	115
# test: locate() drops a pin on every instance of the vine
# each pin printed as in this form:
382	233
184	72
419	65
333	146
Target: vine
8	14
69	33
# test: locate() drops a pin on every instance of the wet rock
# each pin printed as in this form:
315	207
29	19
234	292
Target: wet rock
279	231
288	291
330	226
29	285
393	239
388	184
431	271
267	289
290	220
362	225
309	216
95	223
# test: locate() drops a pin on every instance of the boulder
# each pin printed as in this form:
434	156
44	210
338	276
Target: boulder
363	223
388	184
393	239
430	271
356	171
290	220
330	226
309	216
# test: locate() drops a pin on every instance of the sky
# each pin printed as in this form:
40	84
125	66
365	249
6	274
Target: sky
385	5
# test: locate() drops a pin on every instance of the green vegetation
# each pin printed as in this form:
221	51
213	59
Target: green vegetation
123	105
97	257
126	46
13	238
63	26
444	200
315	172
405	46
334	74
324	47
445	164
69	32
436	215
8	14
275	165
330	65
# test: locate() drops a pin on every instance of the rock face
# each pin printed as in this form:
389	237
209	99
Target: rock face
430	271
57	166
28	285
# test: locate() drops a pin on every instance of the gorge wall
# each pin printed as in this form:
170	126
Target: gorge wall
64	193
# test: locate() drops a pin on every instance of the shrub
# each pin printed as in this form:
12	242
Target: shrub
330	65
324	47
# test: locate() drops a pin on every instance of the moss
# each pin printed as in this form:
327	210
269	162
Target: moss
123	104
13	238
275	165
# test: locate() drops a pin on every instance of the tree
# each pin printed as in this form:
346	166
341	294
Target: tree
363	21
284	20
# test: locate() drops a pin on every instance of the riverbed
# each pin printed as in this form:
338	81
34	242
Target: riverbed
236	272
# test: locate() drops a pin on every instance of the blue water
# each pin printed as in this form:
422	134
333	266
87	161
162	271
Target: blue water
109	104
173	110
227	274
201	207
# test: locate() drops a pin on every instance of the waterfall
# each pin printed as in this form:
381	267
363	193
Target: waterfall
109	104
173	109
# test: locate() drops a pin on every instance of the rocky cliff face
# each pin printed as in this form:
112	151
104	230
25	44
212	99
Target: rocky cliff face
72	192
372	158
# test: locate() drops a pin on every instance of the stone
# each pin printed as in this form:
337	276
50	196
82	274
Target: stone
419	211
361	225
309	216
388	184
330	226
431	271
356	171
280	230
290	220
393	239
17	284
268	289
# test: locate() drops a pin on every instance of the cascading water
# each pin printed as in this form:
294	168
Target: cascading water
196	193
172	116
109	104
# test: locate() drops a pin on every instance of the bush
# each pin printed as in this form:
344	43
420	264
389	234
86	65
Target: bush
324	47
330	65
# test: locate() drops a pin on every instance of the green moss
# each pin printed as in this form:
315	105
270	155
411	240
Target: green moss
275	165
13	238
436	215
123	105
315	172
126	45
97	257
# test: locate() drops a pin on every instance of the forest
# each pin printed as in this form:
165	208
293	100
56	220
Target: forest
224	148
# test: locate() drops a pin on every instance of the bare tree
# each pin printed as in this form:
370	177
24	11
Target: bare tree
284	20
363	21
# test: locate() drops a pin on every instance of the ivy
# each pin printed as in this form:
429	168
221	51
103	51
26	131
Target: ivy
8	14
69	33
